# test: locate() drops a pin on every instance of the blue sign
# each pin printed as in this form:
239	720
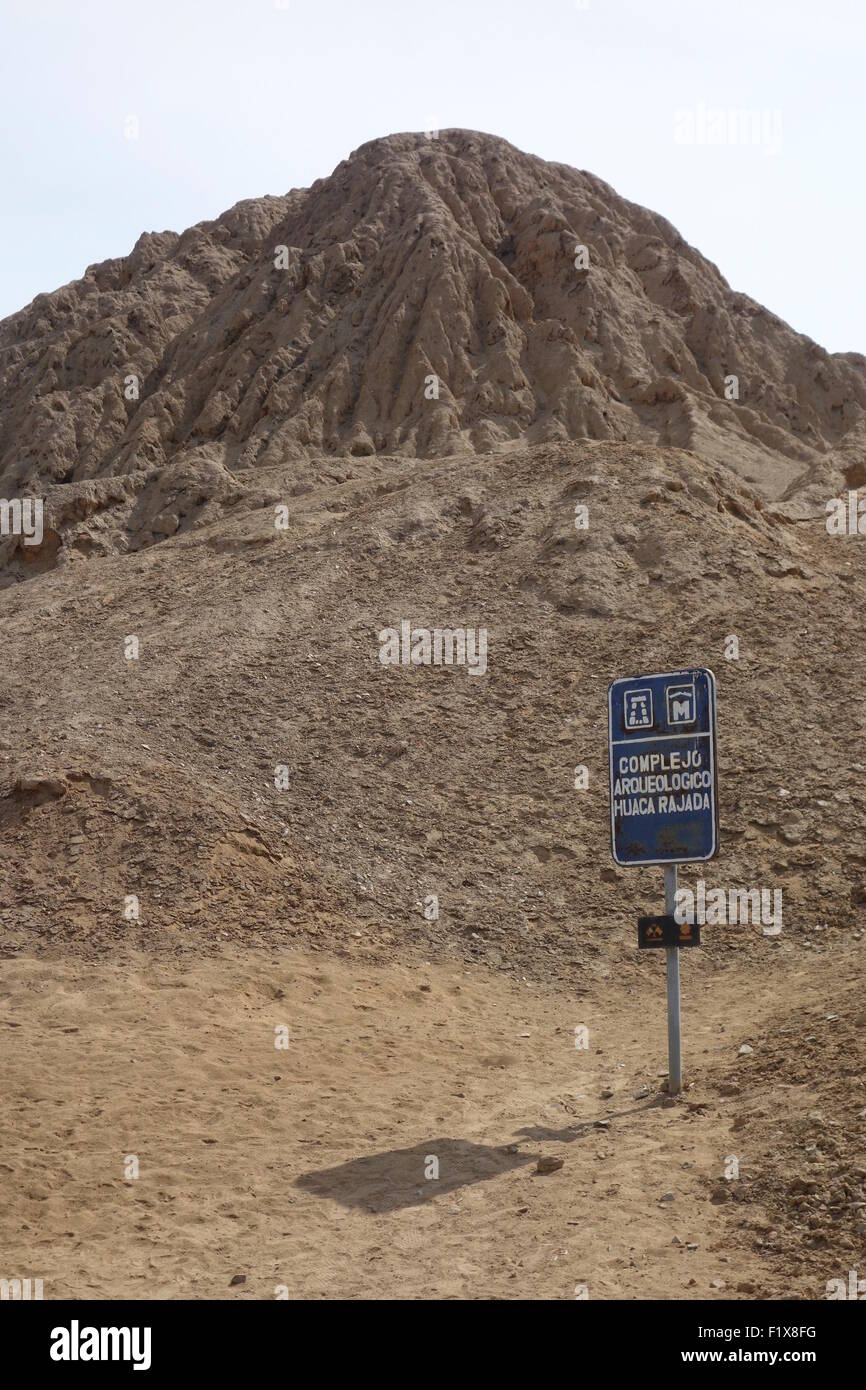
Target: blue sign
663	774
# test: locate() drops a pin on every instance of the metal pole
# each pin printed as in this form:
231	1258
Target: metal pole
675	1053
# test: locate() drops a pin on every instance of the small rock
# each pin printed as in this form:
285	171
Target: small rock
745	1050
548	1164
237	1279
46	786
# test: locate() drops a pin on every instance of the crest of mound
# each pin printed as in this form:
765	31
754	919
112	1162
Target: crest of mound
431	297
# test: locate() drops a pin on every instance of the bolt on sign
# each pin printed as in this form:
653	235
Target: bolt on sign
663	769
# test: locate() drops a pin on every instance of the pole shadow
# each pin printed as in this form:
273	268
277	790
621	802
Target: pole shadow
396	1178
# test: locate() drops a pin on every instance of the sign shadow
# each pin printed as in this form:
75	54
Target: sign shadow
397	1178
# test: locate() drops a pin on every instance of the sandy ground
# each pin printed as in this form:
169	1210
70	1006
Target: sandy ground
303	1169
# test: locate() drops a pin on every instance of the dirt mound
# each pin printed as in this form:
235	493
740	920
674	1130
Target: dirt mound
431	296
796	1102
96	861
260	649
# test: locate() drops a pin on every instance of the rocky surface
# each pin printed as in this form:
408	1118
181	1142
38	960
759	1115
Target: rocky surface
259	648
151	392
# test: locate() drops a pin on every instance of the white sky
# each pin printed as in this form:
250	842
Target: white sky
238	98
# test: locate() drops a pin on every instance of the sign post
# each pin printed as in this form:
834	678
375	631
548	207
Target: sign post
672	954
664	802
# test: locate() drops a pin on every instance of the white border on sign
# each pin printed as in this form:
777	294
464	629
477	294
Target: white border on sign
711	735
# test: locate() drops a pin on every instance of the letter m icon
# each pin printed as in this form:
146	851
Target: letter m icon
681	704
